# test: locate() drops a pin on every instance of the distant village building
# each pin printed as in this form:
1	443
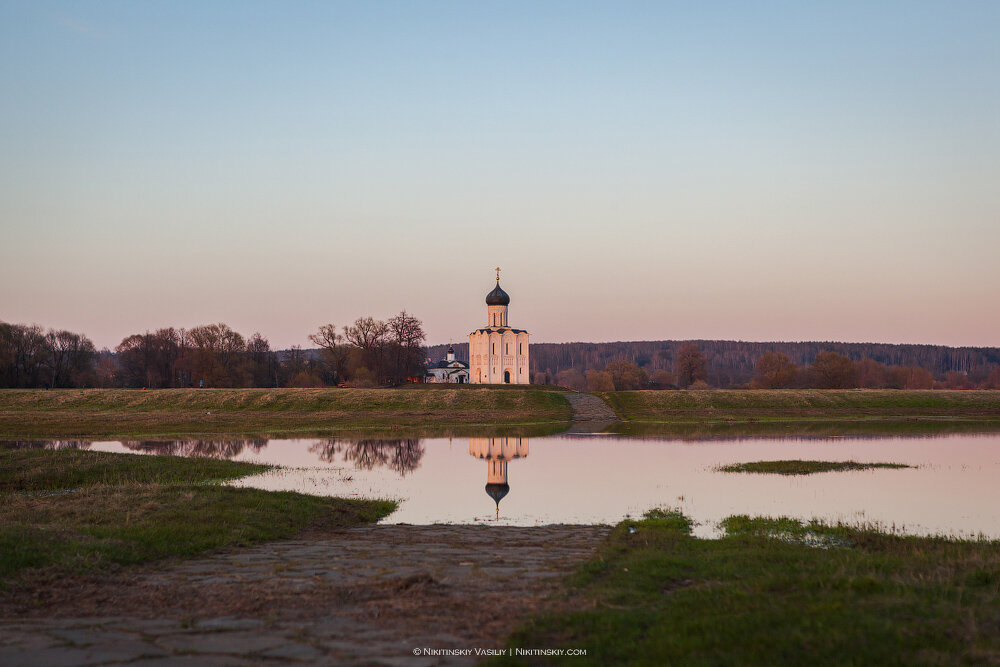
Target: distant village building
448	370
498	354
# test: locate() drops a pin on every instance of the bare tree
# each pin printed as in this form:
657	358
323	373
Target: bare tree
830	370
368	335
625	375
70	358
261	369
662	379
599	381
406	339
333	350
214	356
30	357
775	371
23	348
690	365
572	378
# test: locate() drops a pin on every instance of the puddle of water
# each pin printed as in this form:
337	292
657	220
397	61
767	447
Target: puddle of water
603	479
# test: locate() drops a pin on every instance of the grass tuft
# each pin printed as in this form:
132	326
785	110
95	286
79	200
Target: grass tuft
46	470
797	467
766	595
69	512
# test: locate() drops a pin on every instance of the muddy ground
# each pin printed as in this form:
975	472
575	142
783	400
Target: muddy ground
368	595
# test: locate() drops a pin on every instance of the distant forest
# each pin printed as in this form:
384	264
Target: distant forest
733	364
371	352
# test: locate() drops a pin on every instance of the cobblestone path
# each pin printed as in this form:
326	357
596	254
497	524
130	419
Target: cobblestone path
590	413
369	596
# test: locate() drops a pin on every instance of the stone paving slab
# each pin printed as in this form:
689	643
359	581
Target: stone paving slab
367	595
590	413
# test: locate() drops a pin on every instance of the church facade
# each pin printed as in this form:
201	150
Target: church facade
498	354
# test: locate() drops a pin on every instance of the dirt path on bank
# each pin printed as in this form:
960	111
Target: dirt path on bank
590	413
368	595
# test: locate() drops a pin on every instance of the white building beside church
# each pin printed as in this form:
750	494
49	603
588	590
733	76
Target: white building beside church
448	370
498	354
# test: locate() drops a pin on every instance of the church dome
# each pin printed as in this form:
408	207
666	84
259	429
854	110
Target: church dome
497	297
497	491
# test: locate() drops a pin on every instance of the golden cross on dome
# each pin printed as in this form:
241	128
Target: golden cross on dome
498	274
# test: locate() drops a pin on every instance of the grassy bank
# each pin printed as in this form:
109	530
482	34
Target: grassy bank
797	467
804	405
122	413
777	592
885	427
70	512
480	410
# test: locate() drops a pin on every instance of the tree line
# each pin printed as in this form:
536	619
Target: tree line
774	370
738	364
369	352
33	357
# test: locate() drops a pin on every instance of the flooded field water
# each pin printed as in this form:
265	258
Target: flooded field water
587	479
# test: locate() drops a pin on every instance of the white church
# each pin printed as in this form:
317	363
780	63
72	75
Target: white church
449	370
498	354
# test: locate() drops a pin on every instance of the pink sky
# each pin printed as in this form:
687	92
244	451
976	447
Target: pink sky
778	172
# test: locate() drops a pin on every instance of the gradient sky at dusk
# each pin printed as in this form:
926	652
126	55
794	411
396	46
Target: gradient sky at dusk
737	170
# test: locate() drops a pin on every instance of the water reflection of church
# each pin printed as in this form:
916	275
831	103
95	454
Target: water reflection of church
497	452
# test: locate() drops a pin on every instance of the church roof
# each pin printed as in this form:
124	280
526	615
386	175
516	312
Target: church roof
444	363
497	491
490	330
497	297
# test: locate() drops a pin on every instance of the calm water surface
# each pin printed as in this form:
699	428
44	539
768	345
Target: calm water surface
603	479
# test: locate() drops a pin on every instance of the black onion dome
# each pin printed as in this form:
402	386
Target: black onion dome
497	492
497	297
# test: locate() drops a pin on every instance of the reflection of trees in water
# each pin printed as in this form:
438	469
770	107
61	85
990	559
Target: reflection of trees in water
216	449
401	455
406	457
368	454
326	450
44	444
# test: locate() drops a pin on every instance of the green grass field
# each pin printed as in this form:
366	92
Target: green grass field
92	413
803	405
776	592
798	467
69	512
429	410
810	428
